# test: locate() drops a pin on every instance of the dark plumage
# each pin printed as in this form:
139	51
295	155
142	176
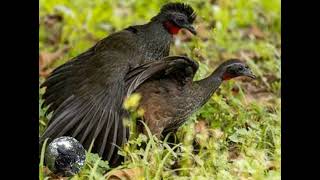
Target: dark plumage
86	93
171	97
180	8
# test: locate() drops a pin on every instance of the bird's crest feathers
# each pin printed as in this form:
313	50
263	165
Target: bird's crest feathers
180	7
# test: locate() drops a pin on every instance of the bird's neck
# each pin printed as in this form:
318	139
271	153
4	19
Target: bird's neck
204	89
198	93
156	40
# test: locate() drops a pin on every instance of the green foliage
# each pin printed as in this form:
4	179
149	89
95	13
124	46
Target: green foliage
241	139
94	168
41	165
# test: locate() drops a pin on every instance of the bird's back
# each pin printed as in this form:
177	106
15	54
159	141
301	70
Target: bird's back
163	102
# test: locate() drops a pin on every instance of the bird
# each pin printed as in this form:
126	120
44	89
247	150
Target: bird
170	96
85	95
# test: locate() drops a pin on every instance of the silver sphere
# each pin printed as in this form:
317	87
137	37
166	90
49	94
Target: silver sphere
65	156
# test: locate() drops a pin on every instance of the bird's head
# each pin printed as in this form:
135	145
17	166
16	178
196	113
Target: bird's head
234	68
175	16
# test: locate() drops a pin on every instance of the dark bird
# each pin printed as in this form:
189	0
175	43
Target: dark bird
86	93
170	96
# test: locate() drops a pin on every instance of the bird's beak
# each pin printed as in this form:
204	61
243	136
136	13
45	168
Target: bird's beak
248	73
191	29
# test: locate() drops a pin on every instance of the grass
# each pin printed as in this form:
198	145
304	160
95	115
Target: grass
237	131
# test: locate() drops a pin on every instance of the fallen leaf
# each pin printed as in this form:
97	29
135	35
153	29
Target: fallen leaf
201	126
125	174
202	132
254	32
258	94
257	32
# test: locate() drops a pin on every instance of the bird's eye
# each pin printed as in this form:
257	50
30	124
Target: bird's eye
240	68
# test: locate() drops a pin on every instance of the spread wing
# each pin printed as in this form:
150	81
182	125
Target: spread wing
86	95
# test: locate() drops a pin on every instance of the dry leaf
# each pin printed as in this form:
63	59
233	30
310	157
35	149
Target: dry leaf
200	126
258	94
202	131
254	32
125	174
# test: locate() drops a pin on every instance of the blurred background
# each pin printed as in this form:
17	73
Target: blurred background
238	130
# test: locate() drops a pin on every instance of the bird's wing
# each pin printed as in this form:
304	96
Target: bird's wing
86	96
178	67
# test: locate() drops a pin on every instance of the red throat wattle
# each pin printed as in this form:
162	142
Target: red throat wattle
172	28
227	76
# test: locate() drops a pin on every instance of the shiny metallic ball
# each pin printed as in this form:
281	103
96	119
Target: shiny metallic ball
65	156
